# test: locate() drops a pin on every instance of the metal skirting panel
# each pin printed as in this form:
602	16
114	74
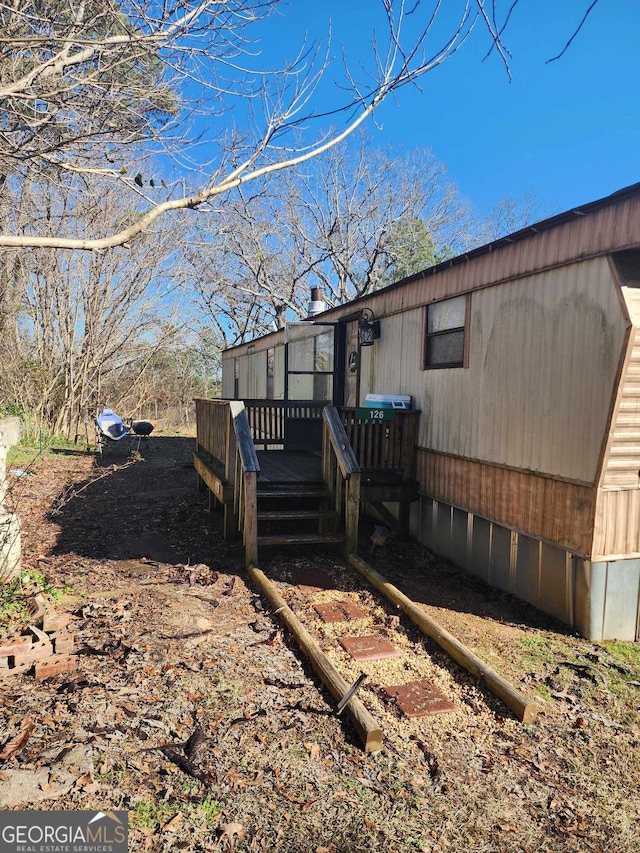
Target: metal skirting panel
599	600
527	585
616	607
479	553
500	558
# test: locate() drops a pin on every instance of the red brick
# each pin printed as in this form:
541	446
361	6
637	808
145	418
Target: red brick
56	665
15	645
15	670
62	642
420	698
338	611
54	622
37	651
373	647
37	605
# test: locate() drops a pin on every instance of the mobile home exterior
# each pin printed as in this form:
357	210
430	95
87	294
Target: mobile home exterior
523	358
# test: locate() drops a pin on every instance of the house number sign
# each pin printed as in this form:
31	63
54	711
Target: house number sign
375	415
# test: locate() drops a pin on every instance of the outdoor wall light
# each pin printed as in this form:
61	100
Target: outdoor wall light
368	328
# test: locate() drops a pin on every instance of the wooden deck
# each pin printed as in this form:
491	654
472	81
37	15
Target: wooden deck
289	466
362	462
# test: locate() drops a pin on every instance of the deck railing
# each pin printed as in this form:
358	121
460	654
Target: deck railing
224	435
341	474
228	431
268	419
384	445
247	468
212	428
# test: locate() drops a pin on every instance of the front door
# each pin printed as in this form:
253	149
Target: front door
309	364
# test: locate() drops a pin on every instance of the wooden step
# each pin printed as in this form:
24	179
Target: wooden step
293	491
296	515
301	539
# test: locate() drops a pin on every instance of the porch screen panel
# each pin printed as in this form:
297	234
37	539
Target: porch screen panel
310	361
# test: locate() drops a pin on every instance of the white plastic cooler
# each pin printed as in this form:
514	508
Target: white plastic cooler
387	401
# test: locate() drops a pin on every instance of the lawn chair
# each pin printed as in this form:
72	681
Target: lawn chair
110	427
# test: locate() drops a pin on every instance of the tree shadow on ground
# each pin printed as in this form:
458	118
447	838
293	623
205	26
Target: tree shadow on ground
426	577
431	579
144	506
140	505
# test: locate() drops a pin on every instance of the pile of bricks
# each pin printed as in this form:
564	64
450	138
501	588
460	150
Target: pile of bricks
47	650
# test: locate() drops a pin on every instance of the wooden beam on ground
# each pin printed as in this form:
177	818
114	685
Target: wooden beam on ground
523	708
368	730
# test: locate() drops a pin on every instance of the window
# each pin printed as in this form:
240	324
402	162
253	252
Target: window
444	344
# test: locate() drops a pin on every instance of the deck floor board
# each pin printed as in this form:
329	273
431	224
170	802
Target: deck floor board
286	466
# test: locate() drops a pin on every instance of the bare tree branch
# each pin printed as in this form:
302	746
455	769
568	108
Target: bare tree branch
84	89
575	33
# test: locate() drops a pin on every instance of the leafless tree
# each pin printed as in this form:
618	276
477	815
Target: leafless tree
88	87
78	320
335	224
509	215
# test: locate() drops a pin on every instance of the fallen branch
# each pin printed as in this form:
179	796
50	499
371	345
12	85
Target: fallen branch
71	492
186	765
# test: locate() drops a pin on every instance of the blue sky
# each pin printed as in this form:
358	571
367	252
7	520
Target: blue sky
568	131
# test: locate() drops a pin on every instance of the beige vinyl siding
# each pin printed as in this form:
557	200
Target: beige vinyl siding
257	375
543	356
243	377
228	378
617	522
617	525
622	465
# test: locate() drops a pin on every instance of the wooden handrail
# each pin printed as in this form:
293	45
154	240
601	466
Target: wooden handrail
246	448
245	486
341	473
345	456
224	435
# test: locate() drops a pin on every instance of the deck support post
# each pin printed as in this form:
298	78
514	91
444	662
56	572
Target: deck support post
352	513
251	517
404	511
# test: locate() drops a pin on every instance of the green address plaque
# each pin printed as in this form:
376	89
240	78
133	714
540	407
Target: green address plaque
375	415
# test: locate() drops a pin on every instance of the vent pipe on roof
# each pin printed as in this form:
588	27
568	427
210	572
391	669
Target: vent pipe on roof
317	304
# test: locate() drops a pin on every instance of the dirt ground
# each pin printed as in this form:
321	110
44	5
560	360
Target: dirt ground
192	709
